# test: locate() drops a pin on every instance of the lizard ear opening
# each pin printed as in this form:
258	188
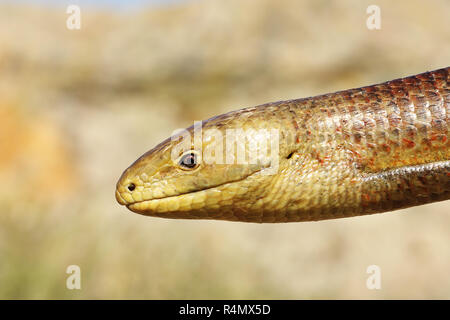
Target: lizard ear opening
290	155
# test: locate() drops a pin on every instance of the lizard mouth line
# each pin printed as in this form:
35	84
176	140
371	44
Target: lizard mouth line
134	204
130	205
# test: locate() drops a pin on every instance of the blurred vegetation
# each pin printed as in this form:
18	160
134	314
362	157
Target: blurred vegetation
77	107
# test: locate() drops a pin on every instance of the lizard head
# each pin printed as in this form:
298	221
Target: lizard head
219	169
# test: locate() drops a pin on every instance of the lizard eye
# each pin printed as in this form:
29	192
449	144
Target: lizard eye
188	161
131	186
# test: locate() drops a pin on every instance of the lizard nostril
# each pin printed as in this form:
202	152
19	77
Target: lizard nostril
131	186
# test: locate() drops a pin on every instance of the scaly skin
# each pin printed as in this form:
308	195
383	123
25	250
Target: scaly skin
360	151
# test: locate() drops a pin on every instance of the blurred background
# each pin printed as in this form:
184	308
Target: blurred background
78	106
